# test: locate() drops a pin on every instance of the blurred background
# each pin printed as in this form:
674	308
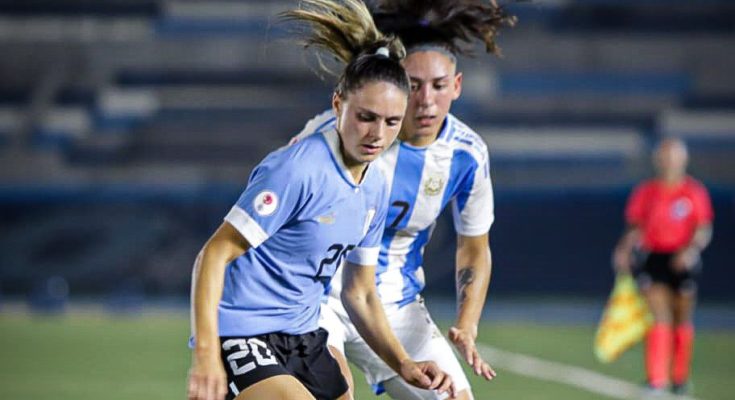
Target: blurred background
128	128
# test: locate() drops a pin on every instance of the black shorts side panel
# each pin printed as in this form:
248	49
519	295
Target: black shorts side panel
657	267
315	367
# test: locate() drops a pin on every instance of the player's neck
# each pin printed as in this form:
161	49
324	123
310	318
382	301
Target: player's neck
420	141
672	180
417	139
357	171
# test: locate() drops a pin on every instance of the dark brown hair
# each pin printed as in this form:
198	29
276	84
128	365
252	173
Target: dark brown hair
452	24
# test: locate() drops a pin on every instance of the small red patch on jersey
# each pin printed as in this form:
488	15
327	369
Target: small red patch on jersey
268	199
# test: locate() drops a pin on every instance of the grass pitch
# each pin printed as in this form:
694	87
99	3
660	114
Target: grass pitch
98	356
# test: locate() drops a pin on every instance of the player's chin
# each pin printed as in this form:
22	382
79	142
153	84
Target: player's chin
368	156
427	131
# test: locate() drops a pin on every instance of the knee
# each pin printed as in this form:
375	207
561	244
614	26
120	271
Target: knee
662	315
682	319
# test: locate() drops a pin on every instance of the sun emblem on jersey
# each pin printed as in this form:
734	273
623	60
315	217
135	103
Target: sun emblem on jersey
681	208
265	203
433	185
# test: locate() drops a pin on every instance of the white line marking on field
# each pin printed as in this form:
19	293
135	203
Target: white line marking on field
568	374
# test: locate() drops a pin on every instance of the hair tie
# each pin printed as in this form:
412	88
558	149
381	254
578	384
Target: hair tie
382	51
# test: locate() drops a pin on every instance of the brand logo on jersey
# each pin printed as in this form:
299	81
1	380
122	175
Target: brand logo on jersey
433	185
681	208
327	219
265	203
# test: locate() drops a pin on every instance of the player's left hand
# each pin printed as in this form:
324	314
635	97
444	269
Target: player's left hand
465	343
685	259
427	375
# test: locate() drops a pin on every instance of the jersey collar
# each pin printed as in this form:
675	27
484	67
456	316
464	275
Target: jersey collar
444	133
333	142
445	136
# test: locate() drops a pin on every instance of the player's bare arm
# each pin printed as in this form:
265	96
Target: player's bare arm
207	378
623	254
363	305
473	270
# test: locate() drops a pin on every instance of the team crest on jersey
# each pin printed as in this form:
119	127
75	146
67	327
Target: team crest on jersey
265	203
433	185
681	208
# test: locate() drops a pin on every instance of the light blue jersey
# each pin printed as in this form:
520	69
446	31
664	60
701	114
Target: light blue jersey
452	170
303	214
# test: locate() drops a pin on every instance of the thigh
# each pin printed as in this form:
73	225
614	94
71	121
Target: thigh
421	338
346	372
412	327
283	387
660	298
429	345
439	350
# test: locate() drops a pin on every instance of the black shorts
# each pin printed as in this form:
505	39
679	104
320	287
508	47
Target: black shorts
658	268
249	360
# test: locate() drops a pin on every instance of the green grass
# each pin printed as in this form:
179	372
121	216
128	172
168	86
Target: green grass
97	356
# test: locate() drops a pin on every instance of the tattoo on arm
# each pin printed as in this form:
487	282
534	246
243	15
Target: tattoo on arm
465	277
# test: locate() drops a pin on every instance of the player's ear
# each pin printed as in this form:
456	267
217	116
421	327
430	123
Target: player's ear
336	104
457	83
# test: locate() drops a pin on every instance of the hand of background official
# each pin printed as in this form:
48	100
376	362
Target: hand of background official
622	260
465	343
685	259
427	375
207	377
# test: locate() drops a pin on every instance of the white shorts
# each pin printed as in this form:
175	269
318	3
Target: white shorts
414	328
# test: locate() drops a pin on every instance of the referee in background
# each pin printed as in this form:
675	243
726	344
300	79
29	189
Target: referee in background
669	222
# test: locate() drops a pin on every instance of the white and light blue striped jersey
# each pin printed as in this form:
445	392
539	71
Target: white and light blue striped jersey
303	214
453	170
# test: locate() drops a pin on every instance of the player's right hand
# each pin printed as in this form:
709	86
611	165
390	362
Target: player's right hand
207	377
464	342
427	375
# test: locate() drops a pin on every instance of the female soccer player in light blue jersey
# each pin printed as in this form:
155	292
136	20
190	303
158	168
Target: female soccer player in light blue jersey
258	281
438	161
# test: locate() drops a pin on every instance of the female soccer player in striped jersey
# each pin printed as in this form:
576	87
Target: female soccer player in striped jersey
258	281
437	161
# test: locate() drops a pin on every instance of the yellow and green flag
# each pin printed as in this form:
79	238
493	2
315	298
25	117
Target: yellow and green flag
625	320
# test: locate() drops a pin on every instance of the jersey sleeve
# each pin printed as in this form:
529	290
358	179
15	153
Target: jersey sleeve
635	208
272	197
473	208
702	206
367	251
316	124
